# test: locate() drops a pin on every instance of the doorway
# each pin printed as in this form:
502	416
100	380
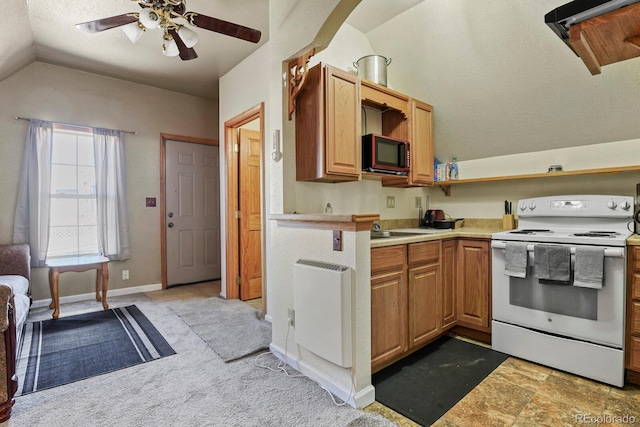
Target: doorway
190	210
244	244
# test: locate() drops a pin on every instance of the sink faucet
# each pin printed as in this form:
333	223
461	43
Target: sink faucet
375	227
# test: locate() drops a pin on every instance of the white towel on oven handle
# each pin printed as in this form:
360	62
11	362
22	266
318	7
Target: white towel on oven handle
589	268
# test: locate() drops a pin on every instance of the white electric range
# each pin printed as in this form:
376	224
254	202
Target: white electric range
573	328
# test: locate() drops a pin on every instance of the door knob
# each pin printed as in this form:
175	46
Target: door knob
170	215
170	225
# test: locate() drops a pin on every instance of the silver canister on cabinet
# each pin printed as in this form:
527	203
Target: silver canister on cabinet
373	68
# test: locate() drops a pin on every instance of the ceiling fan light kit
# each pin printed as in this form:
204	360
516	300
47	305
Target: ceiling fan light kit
170	47
177	39
150	19
133	31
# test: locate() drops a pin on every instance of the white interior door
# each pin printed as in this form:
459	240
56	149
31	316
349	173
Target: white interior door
193	212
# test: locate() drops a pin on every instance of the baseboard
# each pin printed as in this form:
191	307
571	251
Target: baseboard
92	296
361	399
267	317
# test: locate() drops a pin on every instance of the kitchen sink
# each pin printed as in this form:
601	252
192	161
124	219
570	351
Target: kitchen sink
387	234
406	232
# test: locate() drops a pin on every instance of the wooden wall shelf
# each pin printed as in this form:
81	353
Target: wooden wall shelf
446	185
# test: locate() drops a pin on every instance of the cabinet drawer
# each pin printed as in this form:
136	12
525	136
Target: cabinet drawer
635	253
388	257
420	253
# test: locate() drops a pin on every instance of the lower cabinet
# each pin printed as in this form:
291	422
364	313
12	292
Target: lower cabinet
632	351
448	263
420	290
389	337
472	284
424	292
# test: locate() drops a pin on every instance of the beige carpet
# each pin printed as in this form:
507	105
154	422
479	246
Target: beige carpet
194	387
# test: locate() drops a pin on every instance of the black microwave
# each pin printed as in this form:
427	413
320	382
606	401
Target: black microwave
384	154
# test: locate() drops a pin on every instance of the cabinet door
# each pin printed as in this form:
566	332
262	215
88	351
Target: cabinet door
448	295
343	141
473	284
388	317
421	122
424	308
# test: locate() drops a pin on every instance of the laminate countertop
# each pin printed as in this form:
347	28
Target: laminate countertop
633	240
469	232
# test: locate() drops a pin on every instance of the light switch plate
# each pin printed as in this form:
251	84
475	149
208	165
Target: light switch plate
391	202
418	202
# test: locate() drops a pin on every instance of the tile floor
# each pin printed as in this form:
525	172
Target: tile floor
518	393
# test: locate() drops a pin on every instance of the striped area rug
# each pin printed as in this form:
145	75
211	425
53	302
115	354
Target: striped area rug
68	349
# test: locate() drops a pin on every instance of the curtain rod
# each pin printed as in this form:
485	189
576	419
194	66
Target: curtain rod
71	124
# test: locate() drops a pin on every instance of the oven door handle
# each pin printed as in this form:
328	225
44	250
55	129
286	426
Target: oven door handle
608	252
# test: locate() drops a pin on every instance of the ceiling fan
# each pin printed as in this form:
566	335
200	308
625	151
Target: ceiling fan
177	38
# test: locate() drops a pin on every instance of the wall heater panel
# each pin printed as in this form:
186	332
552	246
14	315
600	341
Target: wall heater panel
322	293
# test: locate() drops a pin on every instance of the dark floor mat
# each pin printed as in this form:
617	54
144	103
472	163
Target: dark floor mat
426	384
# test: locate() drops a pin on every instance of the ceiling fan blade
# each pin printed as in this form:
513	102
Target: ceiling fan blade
107	23
186	53
223	27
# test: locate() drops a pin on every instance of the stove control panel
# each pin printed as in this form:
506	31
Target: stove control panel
577	206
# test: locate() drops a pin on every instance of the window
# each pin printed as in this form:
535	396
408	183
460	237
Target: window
73	222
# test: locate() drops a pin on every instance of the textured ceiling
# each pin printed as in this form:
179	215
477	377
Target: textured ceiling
45	30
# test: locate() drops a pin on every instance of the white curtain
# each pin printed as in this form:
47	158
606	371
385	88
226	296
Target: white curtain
32	210
113	224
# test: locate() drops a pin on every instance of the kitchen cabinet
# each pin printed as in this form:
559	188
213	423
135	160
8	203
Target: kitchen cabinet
448	263
421	121
424	292
421	290
393	106
473	284
632	352
328	128
389	338
328	140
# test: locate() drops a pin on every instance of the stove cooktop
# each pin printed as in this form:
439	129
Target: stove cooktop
565	236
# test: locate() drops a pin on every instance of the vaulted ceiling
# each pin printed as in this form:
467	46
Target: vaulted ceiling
44	30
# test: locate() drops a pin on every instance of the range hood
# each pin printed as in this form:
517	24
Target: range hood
561	18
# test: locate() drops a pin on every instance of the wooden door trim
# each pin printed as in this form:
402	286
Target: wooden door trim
232	175
163	192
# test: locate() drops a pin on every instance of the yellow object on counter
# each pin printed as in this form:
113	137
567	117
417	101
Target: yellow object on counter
508	222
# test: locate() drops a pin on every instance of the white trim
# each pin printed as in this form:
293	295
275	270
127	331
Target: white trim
268	318
92	296
361	399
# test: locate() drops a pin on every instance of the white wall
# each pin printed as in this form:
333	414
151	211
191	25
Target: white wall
501	82
60	94
294	25
347	47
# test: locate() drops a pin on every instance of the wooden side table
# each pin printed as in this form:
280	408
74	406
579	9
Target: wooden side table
78	264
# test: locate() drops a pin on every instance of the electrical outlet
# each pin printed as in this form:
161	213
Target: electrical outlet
125	274
418	202
391	202
291	317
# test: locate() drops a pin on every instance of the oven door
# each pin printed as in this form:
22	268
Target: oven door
593	315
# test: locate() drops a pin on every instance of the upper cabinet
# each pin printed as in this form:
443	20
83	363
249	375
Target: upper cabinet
328	142
329	134
421	120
